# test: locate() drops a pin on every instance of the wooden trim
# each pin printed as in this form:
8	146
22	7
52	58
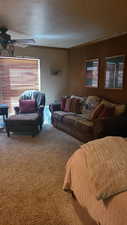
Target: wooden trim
88	43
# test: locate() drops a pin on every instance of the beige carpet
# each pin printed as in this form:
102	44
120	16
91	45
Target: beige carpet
31	179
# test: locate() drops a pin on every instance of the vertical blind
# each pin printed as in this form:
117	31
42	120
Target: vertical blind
16	76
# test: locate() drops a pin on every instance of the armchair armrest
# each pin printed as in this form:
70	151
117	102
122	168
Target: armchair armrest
54	107
16	109
110	126
41	109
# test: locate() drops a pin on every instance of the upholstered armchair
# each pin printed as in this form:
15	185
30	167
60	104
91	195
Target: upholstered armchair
29	115
39	99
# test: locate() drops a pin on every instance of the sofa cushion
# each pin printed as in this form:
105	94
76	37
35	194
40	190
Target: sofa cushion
69	120
23	119
76	120
60	114
87	115
84	122
29	116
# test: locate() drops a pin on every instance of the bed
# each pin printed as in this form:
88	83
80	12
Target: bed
101	188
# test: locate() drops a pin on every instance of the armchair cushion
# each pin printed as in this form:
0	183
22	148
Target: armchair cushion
27	106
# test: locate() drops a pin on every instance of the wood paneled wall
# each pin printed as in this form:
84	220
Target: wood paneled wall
77	56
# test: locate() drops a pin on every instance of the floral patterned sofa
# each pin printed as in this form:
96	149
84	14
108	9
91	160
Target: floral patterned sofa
87	118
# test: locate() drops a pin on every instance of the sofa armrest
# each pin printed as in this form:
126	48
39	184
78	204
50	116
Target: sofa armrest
110	126
54	107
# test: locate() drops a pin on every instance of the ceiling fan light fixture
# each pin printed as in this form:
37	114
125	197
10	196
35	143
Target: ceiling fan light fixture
9	44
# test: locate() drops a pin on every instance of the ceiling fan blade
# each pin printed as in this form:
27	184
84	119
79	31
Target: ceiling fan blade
21	45
23	41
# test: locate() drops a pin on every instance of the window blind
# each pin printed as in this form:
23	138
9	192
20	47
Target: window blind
16	76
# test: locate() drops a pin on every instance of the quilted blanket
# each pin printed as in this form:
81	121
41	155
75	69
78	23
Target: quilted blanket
82	178
107	165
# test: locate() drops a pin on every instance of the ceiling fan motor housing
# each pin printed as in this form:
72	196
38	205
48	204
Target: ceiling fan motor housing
6	41
5	38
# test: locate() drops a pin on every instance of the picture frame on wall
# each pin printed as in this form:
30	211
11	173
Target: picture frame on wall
114	72
92	73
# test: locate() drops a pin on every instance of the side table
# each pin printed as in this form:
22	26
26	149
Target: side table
4	111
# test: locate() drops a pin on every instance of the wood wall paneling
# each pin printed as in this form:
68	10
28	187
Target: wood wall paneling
111	47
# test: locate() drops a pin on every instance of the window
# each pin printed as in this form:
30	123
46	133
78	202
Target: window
114	72
91	73
16	76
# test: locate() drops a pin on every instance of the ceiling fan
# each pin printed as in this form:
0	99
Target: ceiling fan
8	44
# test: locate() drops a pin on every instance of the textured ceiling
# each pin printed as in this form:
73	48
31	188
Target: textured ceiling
64	23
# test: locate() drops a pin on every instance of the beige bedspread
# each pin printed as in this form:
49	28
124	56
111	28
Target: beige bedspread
109	212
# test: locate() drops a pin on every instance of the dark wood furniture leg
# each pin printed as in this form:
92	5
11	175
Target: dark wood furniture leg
8	132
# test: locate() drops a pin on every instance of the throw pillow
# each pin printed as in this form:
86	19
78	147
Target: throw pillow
27	106
96	112
92	101
107	103
63	102
119	109
107	112
67	105
89	105
79	97
75	105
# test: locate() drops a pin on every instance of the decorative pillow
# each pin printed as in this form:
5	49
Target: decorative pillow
84	107
67	105
89	105
107	103
78	97
27	106
63	102
92	102
75	106
107	111
119	109
96	112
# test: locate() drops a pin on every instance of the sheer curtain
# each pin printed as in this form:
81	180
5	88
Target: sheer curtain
16	76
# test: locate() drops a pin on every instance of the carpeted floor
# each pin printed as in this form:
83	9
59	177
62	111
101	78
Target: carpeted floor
31	179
